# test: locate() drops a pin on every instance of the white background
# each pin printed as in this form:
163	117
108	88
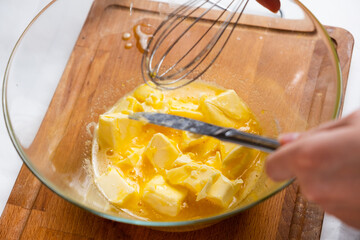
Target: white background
16	14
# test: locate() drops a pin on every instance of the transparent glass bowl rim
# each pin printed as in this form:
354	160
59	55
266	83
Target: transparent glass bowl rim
215	218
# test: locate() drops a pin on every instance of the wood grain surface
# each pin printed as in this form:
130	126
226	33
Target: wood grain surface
35	212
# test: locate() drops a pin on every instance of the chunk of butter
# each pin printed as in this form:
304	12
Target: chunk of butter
132	159
184	109
115	188
190	139
222	191
237	161
192	176
230	104
162	197
116	131
182	160
128	105
145	93
226	148
215	116
214	161
155	100
187	113
204	146
161	152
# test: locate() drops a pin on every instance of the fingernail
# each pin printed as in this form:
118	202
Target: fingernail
288	137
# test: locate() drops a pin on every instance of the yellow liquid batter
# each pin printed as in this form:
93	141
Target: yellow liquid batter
163	174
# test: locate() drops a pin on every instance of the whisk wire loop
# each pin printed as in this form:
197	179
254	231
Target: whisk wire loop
182	34
205	51
196	58
172	78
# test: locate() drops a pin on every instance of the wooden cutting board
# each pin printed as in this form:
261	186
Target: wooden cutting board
35	212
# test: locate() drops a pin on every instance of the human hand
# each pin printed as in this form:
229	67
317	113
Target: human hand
326	163
272	5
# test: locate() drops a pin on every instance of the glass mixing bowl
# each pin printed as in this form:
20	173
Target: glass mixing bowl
57	82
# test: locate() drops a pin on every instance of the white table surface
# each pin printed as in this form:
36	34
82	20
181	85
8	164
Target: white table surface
16	14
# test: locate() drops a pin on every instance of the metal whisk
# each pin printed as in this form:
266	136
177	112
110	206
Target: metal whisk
189	41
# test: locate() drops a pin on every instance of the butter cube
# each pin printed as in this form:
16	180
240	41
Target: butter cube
214	115
115	188
237	161
127	106
155	100
149	95
204	146
116	131
231	104
184	109
135	155
162	197
226	148
132	158
222	191
181	104
142	92
189	140
182	160
214	161
161	151
252	175
187	113
192	176
200	145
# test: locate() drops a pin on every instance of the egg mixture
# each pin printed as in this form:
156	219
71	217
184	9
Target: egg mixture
162	174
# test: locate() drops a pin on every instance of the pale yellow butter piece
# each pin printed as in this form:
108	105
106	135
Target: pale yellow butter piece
182	160
252	175
128	105
148	108
178	104
192	176
155	100
204	146
149	95
134	105
198	144
214	161
162	197
230	104
222	191
136	155
115	188
161	151
133	157
215	116
226	148
189	139
187	113
142	92
184	109
116	131
237	161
